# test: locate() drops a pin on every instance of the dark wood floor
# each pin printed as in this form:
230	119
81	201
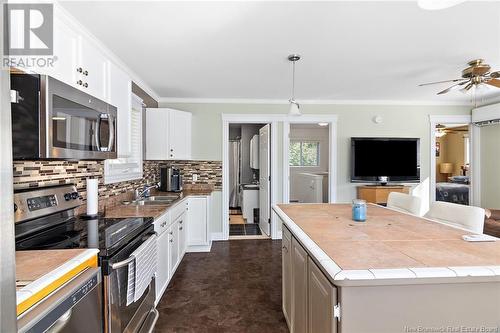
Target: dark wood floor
234	288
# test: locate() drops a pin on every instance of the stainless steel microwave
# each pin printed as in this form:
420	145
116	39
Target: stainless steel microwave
52	120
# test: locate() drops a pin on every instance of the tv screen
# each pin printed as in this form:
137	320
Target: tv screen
396	158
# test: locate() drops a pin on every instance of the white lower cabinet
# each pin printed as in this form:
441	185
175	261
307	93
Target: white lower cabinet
182	228
163	273
173	233
199	222
308	296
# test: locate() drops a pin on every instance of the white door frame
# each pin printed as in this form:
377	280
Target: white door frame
451	119
273	120
332	163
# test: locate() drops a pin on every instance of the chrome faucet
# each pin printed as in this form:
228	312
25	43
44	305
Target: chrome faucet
144	192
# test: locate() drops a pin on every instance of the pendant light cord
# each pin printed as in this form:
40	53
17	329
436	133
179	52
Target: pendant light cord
293	82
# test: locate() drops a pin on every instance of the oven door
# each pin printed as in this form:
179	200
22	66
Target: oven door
79	126
139	316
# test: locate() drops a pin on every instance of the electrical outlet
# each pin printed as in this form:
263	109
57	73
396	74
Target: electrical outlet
195	177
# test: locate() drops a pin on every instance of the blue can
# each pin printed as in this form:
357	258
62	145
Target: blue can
359	210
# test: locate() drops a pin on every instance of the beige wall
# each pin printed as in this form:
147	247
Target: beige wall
490	166
353	120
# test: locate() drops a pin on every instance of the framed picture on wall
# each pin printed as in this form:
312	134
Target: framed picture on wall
438	149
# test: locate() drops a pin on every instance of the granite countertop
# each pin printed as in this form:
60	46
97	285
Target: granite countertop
388	242
123	211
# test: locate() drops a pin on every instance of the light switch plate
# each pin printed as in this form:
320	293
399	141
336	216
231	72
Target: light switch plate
195	177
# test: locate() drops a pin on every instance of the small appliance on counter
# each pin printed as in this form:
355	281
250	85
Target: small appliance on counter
170	179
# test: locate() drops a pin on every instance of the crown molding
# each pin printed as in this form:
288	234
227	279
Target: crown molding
311	101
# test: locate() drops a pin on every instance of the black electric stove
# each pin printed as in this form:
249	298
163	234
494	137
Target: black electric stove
45	220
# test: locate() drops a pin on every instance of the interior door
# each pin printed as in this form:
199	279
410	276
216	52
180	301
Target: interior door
265	182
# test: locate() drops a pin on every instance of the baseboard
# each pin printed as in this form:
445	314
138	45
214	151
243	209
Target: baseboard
199	248
217	236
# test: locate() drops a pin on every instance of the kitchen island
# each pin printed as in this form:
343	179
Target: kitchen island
393	273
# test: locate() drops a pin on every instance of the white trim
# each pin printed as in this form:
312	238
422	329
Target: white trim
448	119
249	119
195	100
217	236
199	248
332	164
475	164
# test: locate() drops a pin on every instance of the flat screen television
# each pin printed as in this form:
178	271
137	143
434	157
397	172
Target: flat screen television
395	158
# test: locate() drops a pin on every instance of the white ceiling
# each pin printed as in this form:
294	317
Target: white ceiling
351	50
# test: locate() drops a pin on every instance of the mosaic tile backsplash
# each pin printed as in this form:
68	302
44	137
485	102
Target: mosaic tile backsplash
29	174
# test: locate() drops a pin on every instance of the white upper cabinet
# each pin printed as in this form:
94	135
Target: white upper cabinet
119	92
91	69
157	144
168	134
180	135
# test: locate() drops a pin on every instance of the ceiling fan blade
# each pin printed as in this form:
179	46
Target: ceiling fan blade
495	74
450	88
467	87
493	82
455	80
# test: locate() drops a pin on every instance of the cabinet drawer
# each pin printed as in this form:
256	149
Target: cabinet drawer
162	223
178	209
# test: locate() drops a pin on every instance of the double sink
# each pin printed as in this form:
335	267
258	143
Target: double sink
154	200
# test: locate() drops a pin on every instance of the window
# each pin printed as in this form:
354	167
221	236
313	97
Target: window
130	167
304	153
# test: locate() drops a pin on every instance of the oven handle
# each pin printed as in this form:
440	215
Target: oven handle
122	263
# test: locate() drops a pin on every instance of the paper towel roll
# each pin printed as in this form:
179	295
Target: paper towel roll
92	196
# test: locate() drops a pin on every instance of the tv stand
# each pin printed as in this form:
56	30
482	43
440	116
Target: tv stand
378	193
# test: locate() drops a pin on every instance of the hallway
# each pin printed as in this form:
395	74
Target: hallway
234	288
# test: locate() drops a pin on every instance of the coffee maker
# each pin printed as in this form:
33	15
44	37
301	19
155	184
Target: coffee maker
170	179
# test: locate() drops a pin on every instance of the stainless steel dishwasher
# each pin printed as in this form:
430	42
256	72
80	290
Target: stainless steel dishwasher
75	307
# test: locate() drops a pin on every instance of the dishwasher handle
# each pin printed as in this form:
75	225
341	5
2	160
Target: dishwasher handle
61	322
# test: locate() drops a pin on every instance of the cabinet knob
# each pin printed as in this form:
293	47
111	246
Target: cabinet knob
180	222
171	155
79	69
86	73
171	232
171	241
79	82
180	228
171	149
85	85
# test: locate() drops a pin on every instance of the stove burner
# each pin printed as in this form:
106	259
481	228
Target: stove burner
62	241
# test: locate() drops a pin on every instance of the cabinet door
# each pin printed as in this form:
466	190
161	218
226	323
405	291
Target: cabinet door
299	288
286	243
182	234
198	221
120	96
174	247
179	135
94	68
156	134
322	297
162	274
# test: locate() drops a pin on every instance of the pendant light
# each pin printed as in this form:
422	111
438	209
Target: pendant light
294	106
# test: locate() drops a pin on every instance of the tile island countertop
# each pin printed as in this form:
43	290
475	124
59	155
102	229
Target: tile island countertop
389	245
40	272
123	210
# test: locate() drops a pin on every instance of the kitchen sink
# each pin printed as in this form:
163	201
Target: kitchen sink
153	200
162	198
